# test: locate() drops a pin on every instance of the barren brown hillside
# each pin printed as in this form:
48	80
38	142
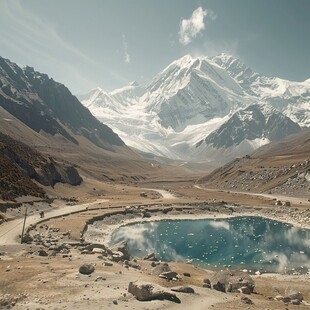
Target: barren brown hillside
281	167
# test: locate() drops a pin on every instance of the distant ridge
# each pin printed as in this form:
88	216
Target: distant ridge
43	104
198	99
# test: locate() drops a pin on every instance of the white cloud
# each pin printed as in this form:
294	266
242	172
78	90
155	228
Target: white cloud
190	28
125	46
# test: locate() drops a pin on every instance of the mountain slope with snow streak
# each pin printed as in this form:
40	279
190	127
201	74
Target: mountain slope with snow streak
193	97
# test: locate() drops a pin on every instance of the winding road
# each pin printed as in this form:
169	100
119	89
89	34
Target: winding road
10	231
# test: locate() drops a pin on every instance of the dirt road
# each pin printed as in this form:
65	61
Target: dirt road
10	231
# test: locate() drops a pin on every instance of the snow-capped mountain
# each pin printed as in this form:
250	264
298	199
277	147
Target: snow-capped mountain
193	97
258	121
192	91
246	130
291	98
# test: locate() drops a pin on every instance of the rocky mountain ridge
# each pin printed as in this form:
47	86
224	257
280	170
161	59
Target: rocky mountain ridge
277	168
20	166
43	104
191	99
258	121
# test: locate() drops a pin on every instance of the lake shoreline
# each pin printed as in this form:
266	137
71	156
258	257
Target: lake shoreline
101	231
197	214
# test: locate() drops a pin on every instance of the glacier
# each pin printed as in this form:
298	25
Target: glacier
190	99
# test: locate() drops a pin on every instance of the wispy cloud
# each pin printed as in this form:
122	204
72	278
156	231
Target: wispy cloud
30	30
125	47
190	28
33	38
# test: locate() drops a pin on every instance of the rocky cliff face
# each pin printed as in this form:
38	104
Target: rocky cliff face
20	165
43	104
257	121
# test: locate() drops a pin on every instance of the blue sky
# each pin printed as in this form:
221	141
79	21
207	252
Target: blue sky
109	43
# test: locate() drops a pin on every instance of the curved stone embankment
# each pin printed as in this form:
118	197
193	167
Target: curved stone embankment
62	258
142	213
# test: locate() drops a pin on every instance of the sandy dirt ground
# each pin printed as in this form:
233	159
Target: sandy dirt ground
30	281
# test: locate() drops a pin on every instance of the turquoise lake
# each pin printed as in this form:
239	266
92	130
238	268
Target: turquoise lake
252	243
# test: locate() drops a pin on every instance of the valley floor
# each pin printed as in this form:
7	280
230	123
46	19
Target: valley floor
31	281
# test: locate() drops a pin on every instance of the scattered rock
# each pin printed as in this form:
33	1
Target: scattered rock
146	214
87	252
231	281
132	264
144	291
121	247
115	302
27	238
247	300
186	274
87	269
150	257
97	248
295	302
206	283
107	264
117	256
41	253
279	298
168	275
244	290
98	251
183	289
293	294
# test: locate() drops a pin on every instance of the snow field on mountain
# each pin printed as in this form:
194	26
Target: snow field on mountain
193	97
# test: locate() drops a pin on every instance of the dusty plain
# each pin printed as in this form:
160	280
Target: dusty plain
30	281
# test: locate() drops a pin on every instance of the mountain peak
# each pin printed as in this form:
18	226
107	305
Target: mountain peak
184	61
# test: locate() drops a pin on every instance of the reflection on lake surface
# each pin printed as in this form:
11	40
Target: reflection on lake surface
248	242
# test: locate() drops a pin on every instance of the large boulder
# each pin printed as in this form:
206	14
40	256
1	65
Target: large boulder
87	268
145	291
232	281
161	268
293	294
123	248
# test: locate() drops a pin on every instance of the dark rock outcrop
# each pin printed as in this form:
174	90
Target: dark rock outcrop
87	269
46	105
20	165
255	121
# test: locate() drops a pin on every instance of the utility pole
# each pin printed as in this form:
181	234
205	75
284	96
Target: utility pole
21	240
